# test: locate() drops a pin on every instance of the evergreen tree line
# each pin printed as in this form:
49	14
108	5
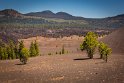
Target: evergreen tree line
18	51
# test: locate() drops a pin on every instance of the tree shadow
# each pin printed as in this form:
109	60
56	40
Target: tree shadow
96	58
103	62
81	59
19	64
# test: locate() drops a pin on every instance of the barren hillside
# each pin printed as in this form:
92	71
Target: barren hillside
116	41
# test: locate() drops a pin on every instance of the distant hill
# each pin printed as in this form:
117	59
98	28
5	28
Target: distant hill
50	14
61	18
10	13
45	14
109	22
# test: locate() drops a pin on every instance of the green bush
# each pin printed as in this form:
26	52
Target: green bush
49	53
89	44
104	51
63	50
24	55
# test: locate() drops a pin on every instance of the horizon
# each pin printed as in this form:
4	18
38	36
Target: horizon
64	12
83	8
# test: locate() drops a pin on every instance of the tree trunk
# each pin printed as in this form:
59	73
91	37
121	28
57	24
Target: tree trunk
101	56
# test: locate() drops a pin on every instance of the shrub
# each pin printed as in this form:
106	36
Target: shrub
49	53
63	50
60	53
24	55
104	51
89	44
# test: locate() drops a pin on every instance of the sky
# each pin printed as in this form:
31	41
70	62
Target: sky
84	8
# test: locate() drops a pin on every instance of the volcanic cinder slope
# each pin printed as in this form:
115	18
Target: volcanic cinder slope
115	40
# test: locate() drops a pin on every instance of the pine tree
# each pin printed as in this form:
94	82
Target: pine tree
12	52
3	53
63	50
89	44
36	48
16	51
32	50
104	51
8	52
25	54
21	46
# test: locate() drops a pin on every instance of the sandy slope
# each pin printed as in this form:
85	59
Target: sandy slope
53	45
116	41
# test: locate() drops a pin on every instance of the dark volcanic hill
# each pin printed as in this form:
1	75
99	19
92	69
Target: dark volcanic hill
10	13
116	41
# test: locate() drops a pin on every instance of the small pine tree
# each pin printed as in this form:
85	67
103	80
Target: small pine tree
32	50
21	46
8	52
36	48
16	51
25	54
3	53
63	50
11	51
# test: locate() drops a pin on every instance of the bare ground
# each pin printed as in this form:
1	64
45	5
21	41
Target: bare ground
72	67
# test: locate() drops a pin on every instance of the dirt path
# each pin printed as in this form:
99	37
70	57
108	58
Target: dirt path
69	68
